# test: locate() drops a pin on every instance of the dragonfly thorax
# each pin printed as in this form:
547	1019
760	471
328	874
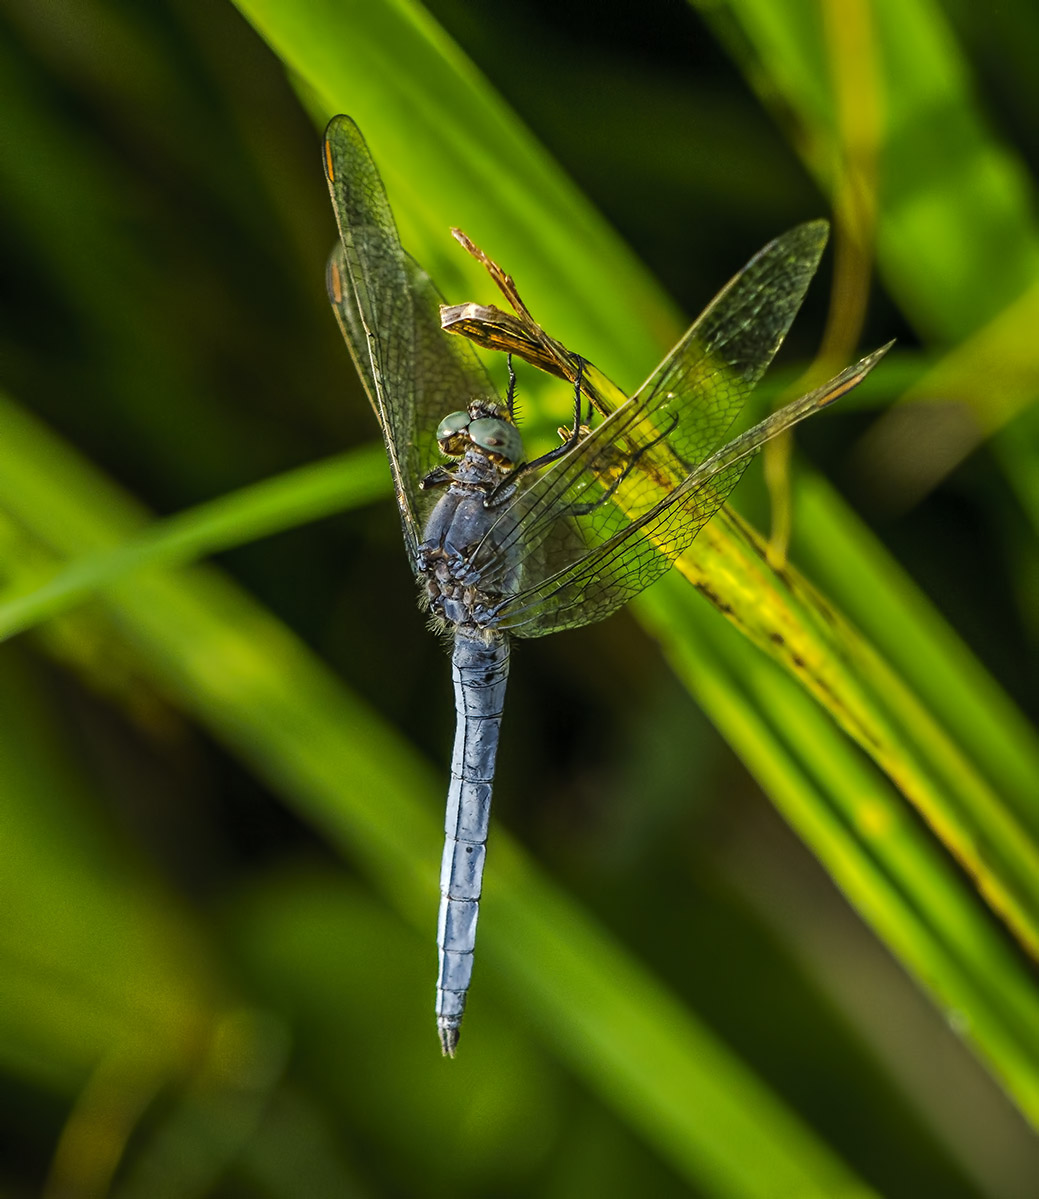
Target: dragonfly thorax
464	574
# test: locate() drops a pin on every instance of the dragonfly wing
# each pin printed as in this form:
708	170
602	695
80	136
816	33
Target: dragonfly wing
615	571
628	559
707	377
449	373
389	314
649	444
340	294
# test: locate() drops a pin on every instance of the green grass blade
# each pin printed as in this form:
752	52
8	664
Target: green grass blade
983	722
946	183
858	828
428	115
309	493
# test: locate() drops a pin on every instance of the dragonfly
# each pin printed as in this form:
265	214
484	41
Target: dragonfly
504	546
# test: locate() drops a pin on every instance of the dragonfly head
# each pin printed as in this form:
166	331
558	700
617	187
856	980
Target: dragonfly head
485	426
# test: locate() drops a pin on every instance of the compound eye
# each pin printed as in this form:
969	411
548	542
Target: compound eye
452	424
497	437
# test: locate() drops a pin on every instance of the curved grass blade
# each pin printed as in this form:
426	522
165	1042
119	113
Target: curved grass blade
284	502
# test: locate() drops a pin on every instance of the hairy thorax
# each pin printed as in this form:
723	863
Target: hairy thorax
465	567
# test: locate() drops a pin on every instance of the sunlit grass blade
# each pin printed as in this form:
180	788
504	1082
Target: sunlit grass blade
272	506
921	71
433	118
856	824
984	724
951	205
954	209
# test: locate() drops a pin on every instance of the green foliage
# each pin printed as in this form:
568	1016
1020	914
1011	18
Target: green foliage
198	998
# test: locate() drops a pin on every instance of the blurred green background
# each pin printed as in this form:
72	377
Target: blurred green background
721	952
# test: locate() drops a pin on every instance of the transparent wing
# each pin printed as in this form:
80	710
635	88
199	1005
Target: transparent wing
707	377
648	445
388	310
627	560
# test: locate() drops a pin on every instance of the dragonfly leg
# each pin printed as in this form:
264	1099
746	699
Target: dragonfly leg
572	438
584	509
439	476
510	395
576	433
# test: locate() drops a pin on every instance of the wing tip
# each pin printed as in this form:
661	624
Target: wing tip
851	376
339	128
809	238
